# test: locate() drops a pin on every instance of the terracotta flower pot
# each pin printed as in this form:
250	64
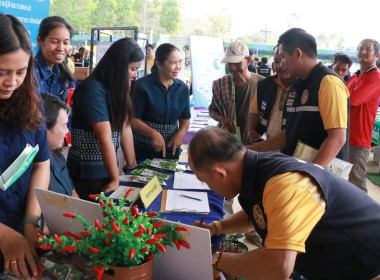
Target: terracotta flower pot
140	272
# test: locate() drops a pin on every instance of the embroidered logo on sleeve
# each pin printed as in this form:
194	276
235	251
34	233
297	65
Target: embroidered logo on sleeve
259	216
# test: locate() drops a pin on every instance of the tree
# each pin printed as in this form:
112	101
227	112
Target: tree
77	13
170	16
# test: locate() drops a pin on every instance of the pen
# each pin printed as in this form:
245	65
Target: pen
191	197
203	218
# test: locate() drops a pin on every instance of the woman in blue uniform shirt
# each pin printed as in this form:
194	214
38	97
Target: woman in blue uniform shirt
52	72
20	125
162	110
102	110
56	116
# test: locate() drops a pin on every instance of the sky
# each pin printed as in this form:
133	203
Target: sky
354	20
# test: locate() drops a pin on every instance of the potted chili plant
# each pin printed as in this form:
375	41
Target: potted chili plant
125	238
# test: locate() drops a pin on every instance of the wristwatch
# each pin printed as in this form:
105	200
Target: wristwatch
35	220
215	259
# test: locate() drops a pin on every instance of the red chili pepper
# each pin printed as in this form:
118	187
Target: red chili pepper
158	224
161	247
105	214
97	225
104	226
76	236
70	215
236	250
57	239
39	235
149	232
67	233
125	220
144	250
99	271
94	196
125	210
159	236
107	242
128	193
222	247
152	214
141	226
181	228
115	227
113	220
69	248
151	241
94	250
149	257
132	253
184	244
110	234
46	247
231	249
78	241
101	203
176	242
138	233
85	233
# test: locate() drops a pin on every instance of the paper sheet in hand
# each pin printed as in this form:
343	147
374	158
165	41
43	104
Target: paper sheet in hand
177	203
188	181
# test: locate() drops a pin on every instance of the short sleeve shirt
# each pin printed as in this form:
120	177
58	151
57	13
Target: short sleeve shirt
12	143
48	78
89	106
154	103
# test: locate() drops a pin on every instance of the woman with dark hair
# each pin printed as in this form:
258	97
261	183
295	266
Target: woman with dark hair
162	110
102	110
22	134
52	72
56	117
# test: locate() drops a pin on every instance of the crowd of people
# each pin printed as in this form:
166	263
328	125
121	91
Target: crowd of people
304	218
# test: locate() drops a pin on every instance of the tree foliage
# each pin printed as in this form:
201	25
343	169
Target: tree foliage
160	16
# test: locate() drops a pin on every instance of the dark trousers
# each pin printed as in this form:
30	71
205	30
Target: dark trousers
85	187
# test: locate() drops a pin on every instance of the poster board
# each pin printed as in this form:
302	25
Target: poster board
205	56
29	12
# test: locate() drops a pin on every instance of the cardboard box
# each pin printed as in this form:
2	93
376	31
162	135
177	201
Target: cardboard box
81	73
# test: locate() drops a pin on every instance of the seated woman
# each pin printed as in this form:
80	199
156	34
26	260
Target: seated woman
21	127
56	116
161	102
52	72
102	109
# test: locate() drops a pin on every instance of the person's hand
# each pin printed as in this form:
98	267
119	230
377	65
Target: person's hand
176	142
253	135
229	124
17	254
210	227
130	166
30	234
112	185
159	143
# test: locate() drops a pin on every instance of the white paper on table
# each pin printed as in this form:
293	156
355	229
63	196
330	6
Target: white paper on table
188	181
177	203
120	192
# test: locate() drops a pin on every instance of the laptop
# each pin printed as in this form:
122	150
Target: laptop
185	264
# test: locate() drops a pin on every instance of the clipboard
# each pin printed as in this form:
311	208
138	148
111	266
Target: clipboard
163	206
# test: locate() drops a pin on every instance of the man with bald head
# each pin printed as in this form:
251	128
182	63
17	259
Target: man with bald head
311	221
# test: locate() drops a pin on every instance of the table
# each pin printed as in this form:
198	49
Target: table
215	202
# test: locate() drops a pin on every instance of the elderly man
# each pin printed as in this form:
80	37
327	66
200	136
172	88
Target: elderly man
233	93
364	88
311	220
316	110
268	103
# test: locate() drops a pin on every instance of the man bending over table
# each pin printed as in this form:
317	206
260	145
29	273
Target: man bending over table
311	221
